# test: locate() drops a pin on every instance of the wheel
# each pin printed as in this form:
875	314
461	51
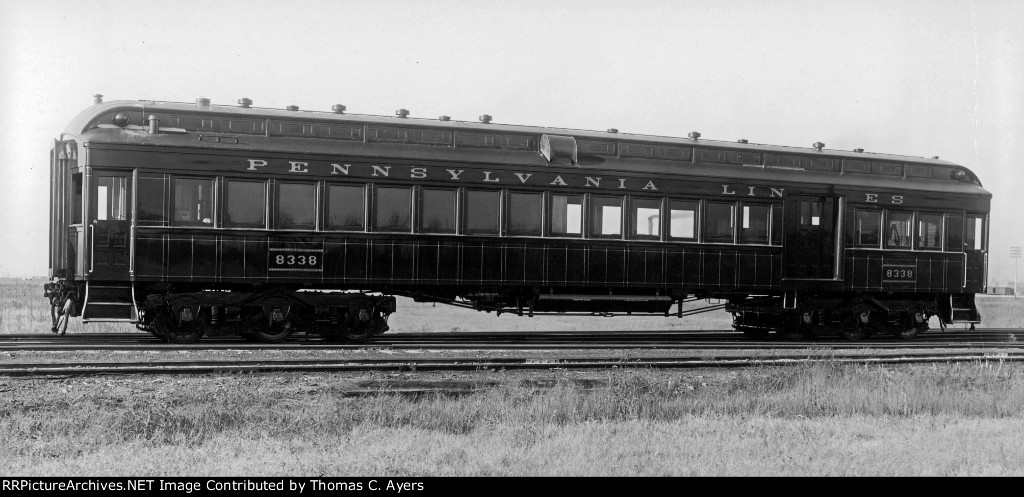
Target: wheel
166	327
362	322
361	331
908	332
912	325
266	333
861	326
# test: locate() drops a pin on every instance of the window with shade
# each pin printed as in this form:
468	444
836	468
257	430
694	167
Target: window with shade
193	202
605	217
683	220
565	217
867	228
754	222
898	233
719	222
645	216
929	231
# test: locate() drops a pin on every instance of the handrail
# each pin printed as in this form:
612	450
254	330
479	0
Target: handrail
92	247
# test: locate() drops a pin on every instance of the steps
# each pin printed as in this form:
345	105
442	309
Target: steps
109	303
963	309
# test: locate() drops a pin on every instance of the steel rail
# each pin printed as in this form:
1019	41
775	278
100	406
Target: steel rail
472	364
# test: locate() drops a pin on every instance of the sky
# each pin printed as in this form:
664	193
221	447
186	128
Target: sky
908	77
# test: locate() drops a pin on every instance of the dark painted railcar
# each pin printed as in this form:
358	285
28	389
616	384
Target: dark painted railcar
199	219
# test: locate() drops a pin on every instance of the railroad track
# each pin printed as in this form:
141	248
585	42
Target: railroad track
476	364
1008	338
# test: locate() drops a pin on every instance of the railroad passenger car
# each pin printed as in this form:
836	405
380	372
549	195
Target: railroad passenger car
193	219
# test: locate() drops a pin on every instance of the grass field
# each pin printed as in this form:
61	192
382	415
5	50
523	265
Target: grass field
24	310
803	420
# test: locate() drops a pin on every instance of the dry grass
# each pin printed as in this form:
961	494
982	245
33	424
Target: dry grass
819	419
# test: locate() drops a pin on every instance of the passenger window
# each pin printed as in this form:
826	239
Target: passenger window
345	207
296	206
929	231
954	233
482	213
682	219
777	224
150	196
973	233
897	230
566	215
754	225
645	214
393	207
193	202
868	226
606	217
438	211
719	222
246	204
524	214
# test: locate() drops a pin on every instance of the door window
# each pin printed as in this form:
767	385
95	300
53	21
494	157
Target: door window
111	198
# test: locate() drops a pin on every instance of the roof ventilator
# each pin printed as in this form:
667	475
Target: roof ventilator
558	149
402	113
818	146
97	99
694	135
202	102
486	119
338	108
292	108
244	103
